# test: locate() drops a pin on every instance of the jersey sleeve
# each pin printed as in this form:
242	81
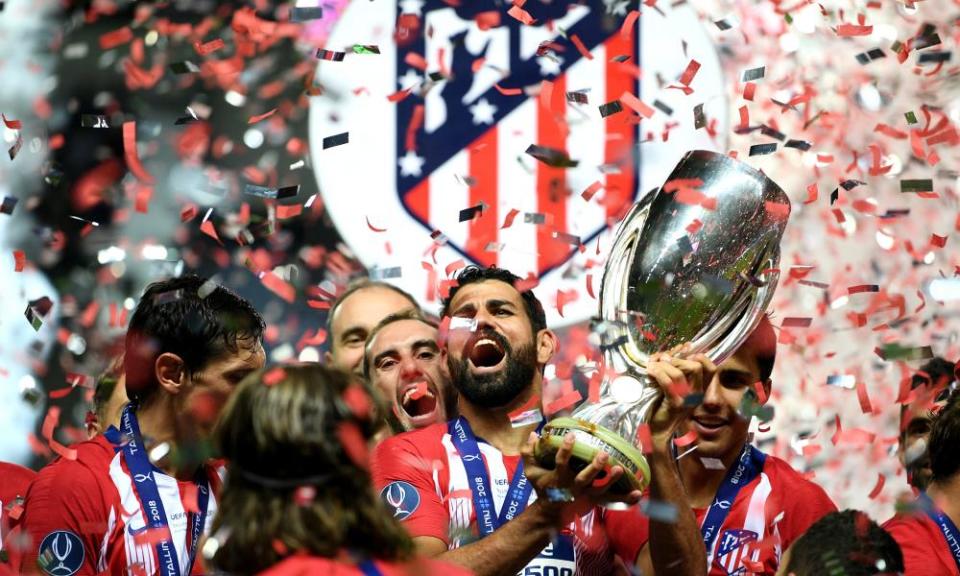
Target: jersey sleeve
404	477
628	532
64	519
804	502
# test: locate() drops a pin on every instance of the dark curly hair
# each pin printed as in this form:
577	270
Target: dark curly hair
282	432
189	317
848	543
944	443
473	274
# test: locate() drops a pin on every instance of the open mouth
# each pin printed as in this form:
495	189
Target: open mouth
418	402
486	351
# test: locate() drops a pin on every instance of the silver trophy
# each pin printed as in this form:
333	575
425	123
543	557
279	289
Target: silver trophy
694	262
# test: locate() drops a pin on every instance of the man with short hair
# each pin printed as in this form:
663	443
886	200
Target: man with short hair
138	499
736	508
929	387
403	363
928	533
469	491
847	543
354	314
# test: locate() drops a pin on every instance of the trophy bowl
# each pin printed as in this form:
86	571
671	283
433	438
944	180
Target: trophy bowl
694	261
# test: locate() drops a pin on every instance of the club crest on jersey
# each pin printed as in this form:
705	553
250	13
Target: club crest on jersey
736	546
402	498
61	553
499	140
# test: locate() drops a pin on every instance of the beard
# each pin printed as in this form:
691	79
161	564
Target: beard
495	389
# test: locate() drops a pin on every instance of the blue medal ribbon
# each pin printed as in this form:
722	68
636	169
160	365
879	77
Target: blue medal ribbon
149	496
747	467
950	532
517	496
369	568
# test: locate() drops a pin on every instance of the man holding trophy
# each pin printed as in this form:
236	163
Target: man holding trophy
688	354
684	342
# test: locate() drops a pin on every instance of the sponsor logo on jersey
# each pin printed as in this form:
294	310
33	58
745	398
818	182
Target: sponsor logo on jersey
61	553
402	498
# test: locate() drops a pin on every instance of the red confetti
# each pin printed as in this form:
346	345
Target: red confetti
761	391
580	47
19	260
453	266
255	119
878	487
685	440
131	155
416	61
688	74
11	124
374	228
938	241
520	14
416	121
562	403
508	91
847	30
273	376
279	286
591	190
864	398
204	49
399	95
636	105
207	228
749	90
116	38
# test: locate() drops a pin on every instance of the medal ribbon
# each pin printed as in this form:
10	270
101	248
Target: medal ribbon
947	527
517	496
149	496
747	467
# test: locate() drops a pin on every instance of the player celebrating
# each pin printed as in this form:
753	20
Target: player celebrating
402	361
298	498
928	535
461	488
749	506
137	500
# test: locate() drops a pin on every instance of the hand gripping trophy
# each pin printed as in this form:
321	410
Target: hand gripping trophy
692	262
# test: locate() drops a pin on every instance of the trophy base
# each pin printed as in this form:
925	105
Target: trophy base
590	440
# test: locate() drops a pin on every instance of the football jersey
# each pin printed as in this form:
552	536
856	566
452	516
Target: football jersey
303	565
925	550
767	515
83	516
423	481
14	480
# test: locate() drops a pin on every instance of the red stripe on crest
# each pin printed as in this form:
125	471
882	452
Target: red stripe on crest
418	200
620	134
552	182
483	169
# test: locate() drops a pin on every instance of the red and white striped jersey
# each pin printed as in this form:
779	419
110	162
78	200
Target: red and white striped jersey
925	550
84	517
767	515
422	479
